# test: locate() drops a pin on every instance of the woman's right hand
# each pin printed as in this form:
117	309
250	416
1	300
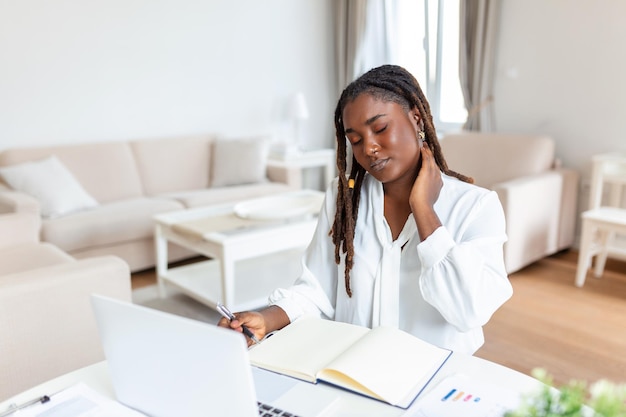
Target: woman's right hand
252	320
260	323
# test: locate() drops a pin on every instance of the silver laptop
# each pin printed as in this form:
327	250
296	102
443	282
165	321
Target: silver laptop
165	365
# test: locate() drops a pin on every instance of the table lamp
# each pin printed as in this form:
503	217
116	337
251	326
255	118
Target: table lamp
299	112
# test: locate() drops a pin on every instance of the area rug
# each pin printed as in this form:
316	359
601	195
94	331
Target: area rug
175	303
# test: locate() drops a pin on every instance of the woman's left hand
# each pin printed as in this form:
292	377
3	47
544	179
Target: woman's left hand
428	183
425	193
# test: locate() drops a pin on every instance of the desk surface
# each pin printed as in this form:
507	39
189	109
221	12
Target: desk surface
97	377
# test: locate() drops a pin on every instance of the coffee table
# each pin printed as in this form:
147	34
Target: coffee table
254	247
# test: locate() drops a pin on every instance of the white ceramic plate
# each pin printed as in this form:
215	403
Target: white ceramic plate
283	206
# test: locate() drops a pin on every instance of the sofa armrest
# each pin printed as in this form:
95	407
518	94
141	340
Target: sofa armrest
292	176
569	207
17	228
532	207
46	319
14	201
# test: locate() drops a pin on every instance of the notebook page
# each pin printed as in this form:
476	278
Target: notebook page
393	364
304	347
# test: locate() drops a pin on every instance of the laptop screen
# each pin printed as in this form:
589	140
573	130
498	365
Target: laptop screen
165	365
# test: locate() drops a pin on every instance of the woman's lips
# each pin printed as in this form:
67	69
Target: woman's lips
379	164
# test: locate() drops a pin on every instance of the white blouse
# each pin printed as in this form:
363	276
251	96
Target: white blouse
442	290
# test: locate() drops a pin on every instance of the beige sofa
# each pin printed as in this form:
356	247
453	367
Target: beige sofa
130	181
47	326
539	196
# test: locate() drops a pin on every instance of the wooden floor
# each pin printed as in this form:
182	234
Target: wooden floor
574	333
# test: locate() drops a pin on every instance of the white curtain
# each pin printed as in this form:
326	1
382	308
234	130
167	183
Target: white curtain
477	32
379	44
349	29
366	36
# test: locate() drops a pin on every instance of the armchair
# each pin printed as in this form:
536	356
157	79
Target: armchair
47	326
539	197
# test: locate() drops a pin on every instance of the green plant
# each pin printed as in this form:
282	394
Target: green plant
575	399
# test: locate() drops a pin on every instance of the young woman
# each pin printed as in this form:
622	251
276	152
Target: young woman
402	241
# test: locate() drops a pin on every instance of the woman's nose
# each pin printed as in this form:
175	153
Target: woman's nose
372	150
371	147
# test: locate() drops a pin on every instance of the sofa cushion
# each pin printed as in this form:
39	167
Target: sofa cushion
168	165
29	256
491	158
107	171
224	195
107	224
239	161
51	183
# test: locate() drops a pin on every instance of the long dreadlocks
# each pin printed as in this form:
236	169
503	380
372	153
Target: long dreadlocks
387	83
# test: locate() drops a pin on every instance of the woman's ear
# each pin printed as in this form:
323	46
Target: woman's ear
417	119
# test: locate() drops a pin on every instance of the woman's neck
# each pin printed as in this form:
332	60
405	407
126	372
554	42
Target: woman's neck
397	207
399	191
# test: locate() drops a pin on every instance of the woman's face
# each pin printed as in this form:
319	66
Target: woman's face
384	138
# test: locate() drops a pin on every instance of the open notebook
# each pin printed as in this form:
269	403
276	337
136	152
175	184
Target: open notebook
383	363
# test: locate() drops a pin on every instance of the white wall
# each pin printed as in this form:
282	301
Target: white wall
561	70
82	71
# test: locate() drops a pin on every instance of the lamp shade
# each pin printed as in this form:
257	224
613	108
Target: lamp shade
298	109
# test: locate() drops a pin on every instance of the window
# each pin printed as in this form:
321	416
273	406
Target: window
428	46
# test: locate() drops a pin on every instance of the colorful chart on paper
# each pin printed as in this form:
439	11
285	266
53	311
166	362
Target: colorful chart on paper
458	395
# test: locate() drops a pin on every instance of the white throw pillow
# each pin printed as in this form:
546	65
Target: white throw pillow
50	182
239	161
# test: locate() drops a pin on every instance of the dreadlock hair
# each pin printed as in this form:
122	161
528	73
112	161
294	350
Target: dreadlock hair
389	83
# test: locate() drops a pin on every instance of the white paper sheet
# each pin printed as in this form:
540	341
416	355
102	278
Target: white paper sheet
78	401
459	395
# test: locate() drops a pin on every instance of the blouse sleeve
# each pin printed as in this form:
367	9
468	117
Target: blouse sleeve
463	274
314	292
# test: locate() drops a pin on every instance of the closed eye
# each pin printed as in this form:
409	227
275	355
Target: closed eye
381	130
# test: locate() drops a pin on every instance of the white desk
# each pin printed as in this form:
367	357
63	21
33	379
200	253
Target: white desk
97	377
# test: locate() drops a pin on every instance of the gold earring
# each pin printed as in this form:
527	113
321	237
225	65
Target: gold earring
421	135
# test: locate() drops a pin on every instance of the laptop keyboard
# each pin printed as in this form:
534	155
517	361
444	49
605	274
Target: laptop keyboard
266	410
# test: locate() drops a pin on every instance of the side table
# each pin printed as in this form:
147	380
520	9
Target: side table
319	158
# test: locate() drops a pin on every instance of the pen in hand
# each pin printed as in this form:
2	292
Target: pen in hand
230	316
